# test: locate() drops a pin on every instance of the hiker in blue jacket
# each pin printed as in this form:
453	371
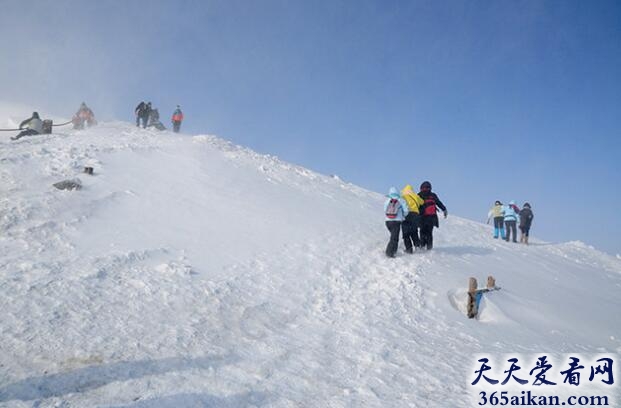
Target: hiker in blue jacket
395	210
511	218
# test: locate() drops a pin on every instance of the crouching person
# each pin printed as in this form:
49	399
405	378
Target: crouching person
396	209
32	126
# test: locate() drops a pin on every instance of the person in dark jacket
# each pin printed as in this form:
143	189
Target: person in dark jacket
429	216
33	126
142	113
138	111
526	219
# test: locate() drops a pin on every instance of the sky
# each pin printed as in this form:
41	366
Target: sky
488	100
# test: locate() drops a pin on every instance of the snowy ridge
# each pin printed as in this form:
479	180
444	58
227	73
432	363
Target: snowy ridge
193	272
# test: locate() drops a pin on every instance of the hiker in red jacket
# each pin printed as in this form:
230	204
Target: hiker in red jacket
429	216
177	118
83	116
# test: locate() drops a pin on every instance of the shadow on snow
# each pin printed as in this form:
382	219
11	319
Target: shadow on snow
463	250
87	378
201	400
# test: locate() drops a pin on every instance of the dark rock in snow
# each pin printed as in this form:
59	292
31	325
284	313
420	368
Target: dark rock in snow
73	184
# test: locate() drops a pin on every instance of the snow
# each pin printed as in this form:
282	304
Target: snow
190	271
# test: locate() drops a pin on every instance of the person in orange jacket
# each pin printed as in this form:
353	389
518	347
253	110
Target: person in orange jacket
83	116
177	118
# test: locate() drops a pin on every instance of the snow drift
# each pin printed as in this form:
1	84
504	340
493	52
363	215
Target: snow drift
192	272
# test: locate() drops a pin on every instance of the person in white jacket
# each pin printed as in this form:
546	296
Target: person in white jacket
395	210
32	126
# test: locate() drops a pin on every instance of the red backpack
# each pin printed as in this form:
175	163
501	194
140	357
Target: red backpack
430	206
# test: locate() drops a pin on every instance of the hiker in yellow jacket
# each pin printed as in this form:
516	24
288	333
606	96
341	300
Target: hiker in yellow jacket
497	212
411	222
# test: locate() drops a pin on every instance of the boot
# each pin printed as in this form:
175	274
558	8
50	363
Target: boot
526	239
522	238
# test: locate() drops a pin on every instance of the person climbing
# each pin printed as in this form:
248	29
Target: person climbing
154	120
146	114
526	219
177	118
142	113
33	126
82	116
510	218
138	111
409	227
498	214
395	210
429	216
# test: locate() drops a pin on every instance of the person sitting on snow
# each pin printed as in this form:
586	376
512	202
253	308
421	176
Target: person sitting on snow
154	120
82	116
32	126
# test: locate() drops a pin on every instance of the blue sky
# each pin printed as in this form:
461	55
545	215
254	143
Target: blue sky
486	99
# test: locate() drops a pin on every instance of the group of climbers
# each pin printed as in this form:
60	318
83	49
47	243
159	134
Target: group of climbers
407	213
146	115
150	117
414	215
506	219
35	126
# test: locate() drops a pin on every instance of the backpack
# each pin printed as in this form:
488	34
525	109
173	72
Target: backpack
429	206
46	127
393	208
177	115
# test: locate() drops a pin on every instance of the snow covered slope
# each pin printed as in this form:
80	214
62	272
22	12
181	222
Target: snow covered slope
192	272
